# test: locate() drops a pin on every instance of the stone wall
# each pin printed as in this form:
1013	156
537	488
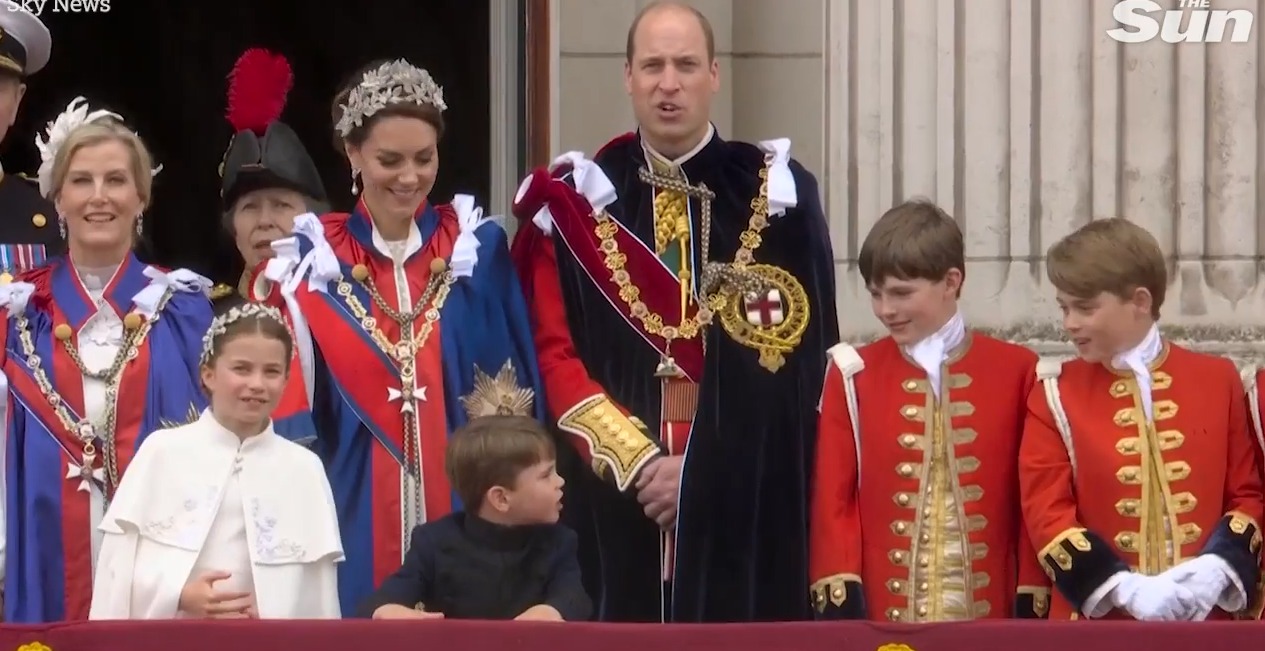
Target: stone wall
1020	117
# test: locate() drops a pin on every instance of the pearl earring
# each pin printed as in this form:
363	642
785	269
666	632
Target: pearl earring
354	189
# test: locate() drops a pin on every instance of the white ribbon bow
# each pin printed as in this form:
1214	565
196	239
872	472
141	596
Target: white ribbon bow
181	280
590	181
15	296
286	260
416	395
782	192
320	265
278	270
465	251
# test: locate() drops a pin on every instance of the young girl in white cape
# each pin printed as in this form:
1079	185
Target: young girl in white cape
223	518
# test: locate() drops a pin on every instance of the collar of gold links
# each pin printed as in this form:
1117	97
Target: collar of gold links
438	286
749	241
137	329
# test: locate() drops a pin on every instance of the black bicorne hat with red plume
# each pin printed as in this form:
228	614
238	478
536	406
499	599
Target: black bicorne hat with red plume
264	152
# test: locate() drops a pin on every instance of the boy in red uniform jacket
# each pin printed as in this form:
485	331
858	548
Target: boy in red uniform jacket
933	413
1141	485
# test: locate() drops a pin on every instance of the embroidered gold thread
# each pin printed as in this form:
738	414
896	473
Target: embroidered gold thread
500	395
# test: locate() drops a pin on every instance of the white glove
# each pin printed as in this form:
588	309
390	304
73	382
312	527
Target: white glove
1209	578
1154	598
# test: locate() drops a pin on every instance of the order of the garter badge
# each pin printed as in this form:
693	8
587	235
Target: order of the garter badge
771	320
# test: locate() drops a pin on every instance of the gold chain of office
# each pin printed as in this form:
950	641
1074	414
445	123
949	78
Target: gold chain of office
82	428
404	351
749	240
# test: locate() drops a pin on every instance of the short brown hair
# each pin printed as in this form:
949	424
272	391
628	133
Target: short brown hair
915	240
709	35
1109	255
490	451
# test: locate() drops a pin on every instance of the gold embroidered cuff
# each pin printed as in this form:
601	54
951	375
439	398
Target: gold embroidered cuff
832	590
1032	602
1237	540
1242	523
1078	562
618	441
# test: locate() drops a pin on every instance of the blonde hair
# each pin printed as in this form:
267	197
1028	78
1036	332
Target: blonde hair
1115	256
916	240
98	132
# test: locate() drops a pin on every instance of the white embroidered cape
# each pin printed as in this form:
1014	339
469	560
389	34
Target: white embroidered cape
195	499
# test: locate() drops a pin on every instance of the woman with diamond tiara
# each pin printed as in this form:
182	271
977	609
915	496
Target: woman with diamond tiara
211	556
417	322
98	350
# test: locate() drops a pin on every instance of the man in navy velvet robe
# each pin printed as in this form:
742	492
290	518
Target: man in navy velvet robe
682	290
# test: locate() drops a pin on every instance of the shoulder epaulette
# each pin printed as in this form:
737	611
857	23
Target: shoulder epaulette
221	290
1049	368
846	357
1247	375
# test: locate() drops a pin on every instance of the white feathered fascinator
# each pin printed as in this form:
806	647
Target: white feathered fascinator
75	116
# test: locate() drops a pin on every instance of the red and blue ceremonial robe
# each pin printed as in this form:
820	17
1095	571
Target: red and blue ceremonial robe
49	507
481	336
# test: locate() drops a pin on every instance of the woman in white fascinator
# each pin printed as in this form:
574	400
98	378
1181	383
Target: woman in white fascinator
98	350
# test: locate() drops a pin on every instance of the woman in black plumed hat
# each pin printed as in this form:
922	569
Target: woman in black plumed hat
267	177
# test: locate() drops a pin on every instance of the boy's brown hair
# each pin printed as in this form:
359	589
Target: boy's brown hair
1109	255
490	451
916	240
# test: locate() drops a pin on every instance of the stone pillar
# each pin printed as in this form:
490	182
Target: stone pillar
777	76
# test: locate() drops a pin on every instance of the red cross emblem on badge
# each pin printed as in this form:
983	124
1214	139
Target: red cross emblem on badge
765	311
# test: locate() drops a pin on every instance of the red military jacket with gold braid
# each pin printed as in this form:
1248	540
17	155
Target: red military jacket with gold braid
1254	381
929	528
1106	499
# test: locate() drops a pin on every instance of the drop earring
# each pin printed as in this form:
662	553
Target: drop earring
355	190
61	225
140	224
